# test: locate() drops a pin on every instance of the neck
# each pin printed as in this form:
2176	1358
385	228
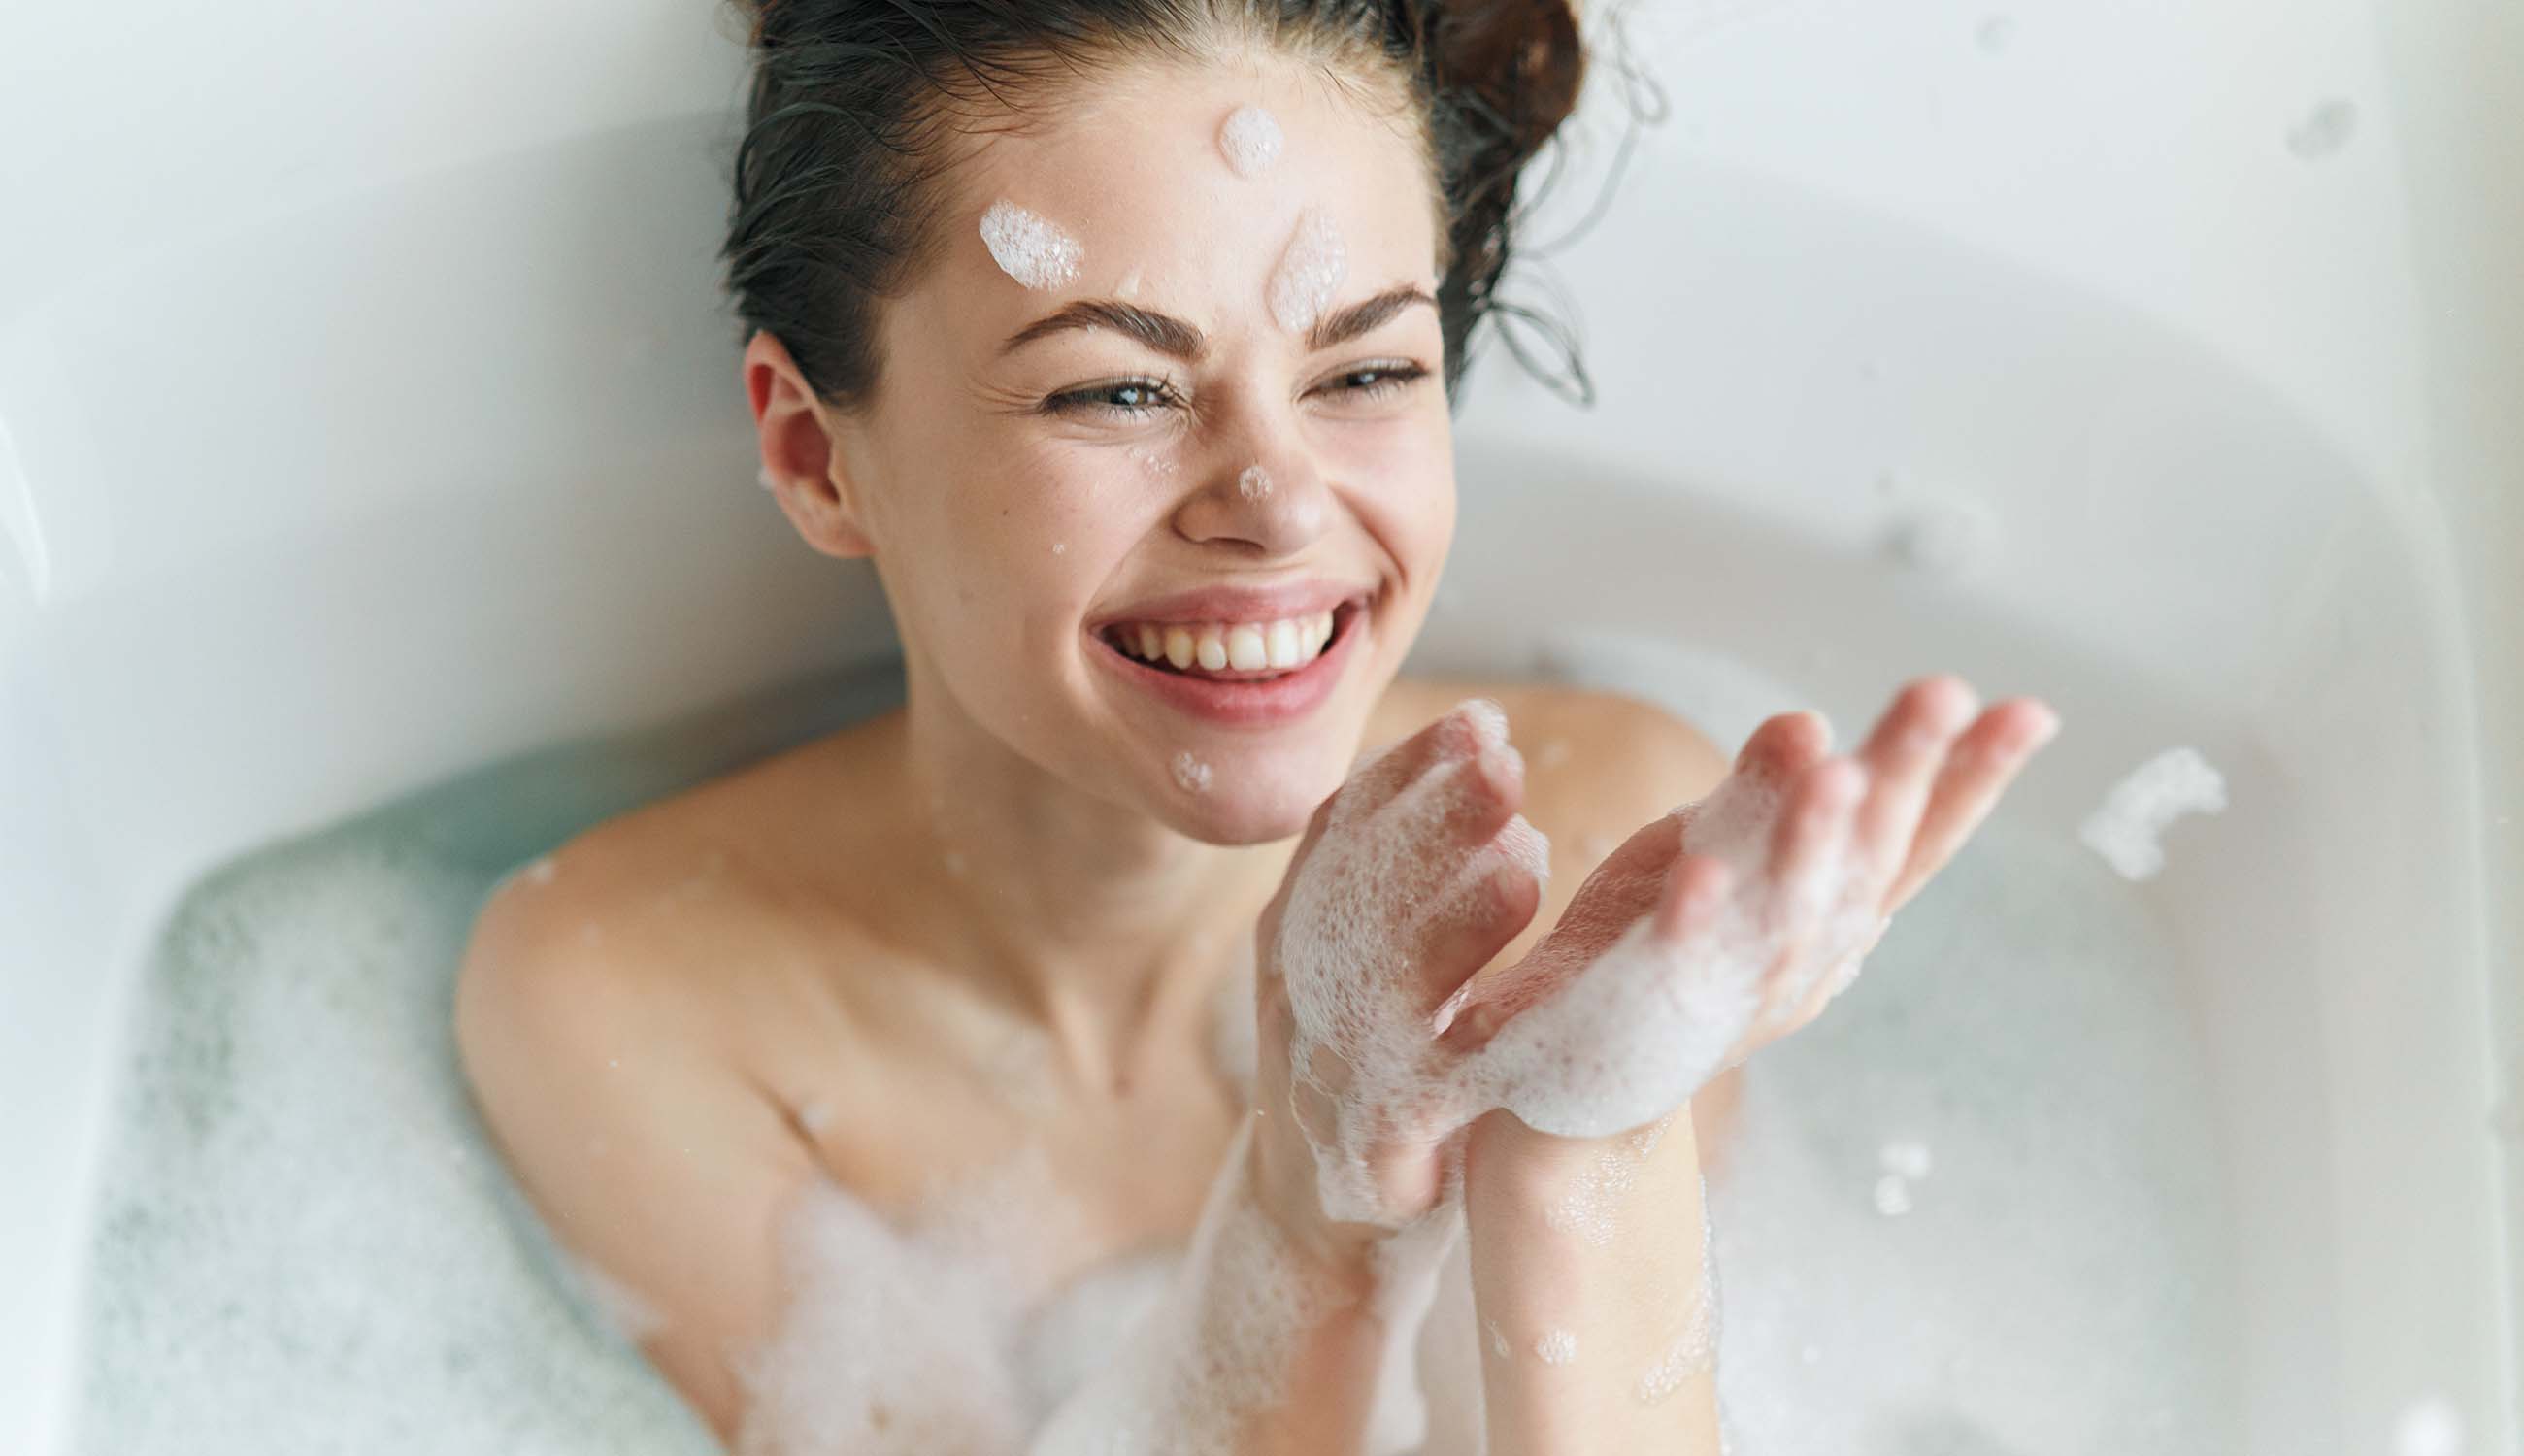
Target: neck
1105	925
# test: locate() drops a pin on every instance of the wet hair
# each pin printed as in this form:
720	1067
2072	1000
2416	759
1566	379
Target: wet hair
854	107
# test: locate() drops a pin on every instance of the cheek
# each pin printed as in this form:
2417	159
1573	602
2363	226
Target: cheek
1405	471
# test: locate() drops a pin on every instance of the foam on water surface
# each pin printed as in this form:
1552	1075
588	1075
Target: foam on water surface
305	1242
2127	828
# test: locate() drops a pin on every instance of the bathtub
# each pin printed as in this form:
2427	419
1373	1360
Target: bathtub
367	417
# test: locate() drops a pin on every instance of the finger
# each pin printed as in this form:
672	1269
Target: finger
1901	756
1978	770
1784	745
1694	889
1481	795
1810	836
1498	906
1461	732
1445	815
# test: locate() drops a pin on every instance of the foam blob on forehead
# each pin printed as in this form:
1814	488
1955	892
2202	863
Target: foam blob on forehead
1028	248
1251	139
1310	271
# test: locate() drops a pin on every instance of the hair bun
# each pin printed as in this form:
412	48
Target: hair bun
1521	60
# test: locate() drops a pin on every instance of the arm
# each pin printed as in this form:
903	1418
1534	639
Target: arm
655	1168
1597	1310
1602	1239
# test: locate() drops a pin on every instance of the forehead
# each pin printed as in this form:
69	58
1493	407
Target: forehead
1129	163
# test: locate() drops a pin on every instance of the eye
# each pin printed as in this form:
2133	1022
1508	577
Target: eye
1126	398
1379	379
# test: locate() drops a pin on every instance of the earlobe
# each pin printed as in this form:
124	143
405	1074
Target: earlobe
801	459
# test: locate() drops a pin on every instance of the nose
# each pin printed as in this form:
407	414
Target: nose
1260	492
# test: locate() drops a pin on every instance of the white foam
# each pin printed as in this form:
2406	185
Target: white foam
1065	1342
1216	1349
1556	1347
1058	547
1892	1195
814	1115
1309	274
1190	772
1635	1024
1995	33
1251	139
1129	287
1591	1207
2030	1015
1254	483
762	478
885	1343
1357	910
2124	829
1030	249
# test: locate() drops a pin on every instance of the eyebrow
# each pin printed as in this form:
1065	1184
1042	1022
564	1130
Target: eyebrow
1170	335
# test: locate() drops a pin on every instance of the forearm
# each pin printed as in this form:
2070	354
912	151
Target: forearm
1597	1319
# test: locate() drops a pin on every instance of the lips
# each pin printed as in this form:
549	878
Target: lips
1252	701
1225	604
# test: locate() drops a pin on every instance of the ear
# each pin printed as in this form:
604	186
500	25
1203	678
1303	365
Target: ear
802	454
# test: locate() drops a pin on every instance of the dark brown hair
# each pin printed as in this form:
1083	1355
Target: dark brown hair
836	194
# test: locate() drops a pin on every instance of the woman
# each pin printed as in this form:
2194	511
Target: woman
1119	334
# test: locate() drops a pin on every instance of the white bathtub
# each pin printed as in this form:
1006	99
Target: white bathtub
365	416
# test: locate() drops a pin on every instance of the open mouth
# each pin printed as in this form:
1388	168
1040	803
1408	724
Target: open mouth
1127	642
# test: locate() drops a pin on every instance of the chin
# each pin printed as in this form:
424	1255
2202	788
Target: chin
1254	812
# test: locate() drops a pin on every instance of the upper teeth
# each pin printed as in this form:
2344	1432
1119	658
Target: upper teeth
1237	647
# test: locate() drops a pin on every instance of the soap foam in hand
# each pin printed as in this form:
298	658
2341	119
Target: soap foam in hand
1627	1034
1364	906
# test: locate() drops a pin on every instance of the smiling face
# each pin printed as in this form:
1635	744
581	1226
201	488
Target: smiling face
1134	372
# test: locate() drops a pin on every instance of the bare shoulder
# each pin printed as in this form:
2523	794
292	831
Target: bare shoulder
618	1092
1597	763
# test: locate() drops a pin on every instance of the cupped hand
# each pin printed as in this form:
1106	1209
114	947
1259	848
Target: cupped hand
1731	922
1408	879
